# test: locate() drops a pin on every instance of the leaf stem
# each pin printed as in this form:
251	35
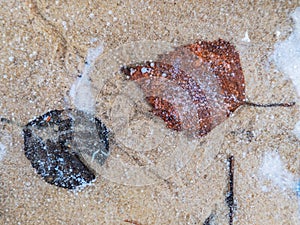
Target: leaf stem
287	104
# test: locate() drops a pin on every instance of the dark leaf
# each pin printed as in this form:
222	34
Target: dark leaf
48	142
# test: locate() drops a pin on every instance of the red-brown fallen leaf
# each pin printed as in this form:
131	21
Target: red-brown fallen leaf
195	87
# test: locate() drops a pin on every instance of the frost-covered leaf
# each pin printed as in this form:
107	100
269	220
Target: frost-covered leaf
53	144
195	87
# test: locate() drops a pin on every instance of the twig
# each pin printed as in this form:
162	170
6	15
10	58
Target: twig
132	222
230	193
286	104
209	220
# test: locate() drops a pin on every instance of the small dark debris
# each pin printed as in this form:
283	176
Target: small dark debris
4	120
132	222
209	220
244	135
48	146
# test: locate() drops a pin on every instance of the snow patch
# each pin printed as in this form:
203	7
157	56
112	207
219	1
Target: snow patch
274	170
287	53
286	57
81	91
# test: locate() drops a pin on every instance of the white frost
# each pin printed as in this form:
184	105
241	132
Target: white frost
81	91
297	129
11	58
287	58
2	151
274	170
287	53
246	38
64	24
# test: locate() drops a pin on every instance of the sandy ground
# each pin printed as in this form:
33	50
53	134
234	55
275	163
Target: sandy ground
43	49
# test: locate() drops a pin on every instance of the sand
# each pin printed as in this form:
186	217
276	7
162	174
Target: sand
43	50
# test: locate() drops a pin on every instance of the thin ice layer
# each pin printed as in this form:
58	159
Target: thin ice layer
81	90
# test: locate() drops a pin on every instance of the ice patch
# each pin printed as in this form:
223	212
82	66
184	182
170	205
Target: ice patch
274	170
81	91
2	151
286	57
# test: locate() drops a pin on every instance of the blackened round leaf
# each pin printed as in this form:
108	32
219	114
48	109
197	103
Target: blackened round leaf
49	145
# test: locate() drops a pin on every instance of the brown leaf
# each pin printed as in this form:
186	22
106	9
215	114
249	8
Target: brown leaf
195	87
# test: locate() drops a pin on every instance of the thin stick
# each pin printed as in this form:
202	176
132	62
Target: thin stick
230	193
288	104
139	163
132	222
209	220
